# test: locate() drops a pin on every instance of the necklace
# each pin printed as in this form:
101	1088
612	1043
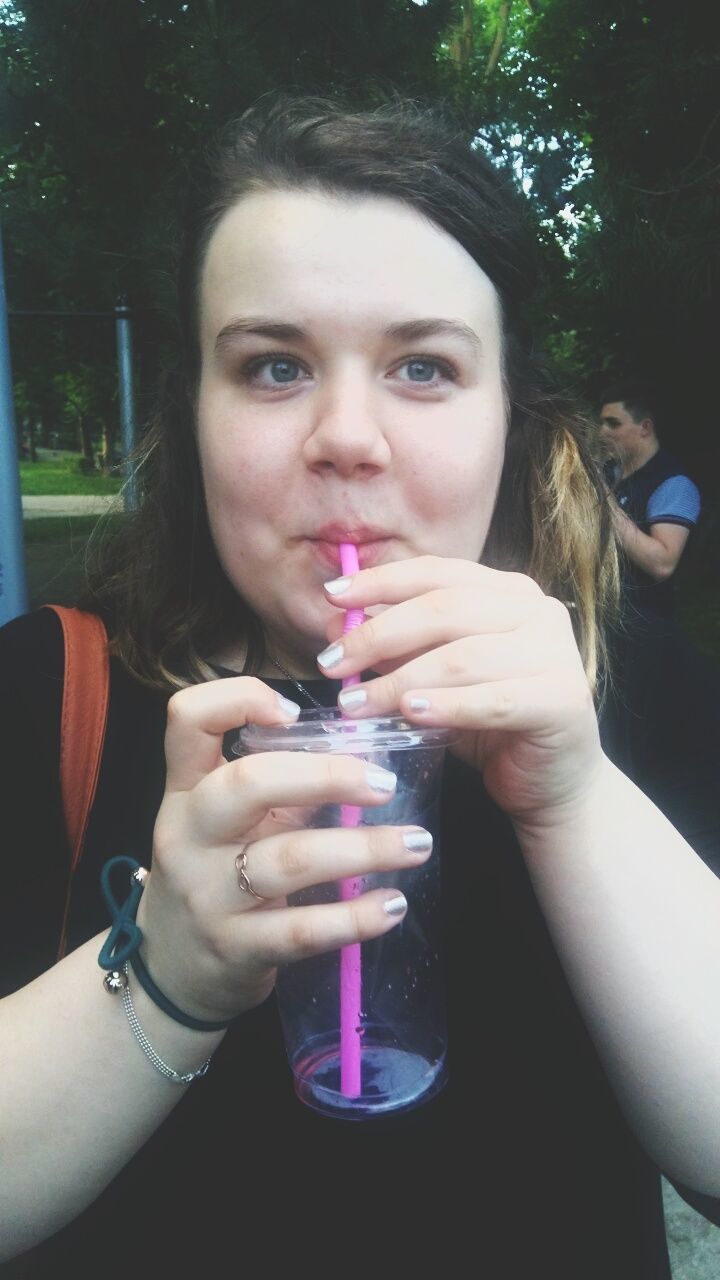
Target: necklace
298	685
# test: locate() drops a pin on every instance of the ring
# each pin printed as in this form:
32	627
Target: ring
242	875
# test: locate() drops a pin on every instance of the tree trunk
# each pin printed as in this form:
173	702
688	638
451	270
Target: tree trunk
86	442
109	437
462	42
494	58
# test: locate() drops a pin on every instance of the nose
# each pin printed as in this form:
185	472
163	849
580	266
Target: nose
347	434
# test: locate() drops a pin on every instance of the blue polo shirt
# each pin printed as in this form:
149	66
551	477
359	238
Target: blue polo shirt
657	493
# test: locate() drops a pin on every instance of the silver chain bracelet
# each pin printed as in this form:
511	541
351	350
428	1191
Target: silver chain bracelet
176	1076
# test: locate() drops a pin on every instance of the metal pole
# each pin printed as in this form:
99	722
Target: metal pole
13	585
127	403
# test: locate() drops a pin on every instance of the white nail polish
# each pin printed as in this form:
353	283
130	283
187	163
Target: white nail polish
419	704
287	707
396	906
351	699
418	841
331	656
337	586
381	779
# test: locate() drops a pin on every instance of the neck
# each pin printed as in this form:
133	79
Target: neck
298	666
639	459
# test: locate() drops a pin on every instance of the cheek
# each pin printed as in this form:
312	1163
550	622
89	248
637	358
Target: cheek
240	480
458	474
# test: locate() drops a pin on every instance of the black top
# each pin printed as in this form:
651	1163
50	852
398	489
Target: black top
659	492
524	1162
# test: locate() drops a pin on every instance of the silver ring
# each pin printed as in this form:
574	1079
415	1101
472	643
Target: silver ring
242	875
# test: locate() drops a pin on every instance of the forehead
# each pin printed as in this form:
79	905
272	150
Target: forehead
308	258
616	409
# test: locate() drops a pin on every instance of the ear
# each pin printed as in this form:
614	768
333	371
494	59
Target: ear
647	427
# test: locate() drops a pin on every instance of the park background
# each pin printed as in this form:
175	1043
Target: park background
605	113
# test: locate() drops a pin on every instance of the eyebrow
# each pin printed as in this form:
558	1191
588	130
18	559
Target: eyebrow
407	331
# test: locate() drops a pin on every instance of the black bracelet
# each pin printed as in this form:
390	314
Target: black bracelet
167	1006
123	943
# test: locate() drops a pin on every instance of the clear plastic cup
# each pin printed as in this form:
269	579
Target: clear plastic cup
401	1037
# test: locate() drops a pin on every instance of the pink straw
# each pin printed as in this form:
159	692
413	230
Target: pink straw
350	969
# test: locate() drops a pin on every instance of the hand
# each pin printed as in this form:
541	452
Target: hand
485	653
212	948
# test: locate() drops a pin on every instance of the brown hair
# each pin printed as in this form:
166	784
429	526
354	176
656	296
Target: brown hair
159	582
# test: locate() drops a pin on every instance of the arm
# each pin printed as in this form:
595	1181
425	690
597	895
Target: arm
78	1095
658	552
635	917
634	913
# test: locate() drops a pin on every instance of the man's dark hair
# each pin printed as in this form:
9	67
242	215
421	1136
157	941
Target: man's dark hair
639	401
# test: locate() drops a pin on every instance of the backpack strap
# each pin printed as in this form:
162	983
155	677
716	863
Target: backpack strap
83	721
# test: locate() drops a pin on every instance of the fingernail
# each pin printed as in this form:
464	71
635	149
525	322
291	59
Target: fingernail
418	841
287	707
419	704
331	656
336	586
381	779
396	906
351	699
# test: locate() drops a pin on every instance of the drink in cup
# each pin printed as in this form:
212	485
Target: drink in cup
365	1028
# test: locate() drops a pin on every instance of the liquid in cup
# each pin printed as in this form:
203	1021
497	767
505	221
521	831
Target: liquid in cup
402	1027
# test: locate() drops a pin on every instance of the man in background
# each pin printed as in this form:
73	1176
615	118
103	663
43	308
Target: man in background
656	503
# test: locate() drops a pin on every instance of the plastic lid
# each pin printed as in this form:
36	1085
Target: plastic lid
325	729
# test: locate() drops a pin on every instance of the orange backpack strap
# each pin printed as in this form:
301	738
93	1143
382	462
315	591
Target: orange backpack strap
86	693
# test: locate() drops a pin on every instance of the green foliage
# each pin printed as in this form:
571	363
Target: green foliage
104	108
607	114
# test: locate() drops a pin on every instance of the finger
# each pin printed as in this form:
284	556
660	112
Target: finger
294	933
403	579
534	705
472	660
281	865
197	719
425	622
230	801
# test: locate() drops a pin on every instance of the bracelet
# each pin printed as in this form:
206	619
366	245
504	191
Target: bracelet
114	951
122	947
177	1077
161	1000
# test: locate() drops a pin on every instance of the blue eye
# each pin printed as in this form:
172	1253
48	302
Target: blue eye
426	371
421	370
272	372
284	370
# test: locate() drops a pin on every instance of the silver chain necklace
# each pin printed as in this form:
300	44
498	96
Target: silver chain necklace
297	683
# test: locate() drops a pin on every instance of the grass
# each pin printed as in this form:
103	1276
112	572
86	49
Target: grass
54	557
60	474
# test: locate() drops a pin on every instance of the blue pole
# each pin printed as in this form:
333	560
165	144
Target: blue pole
13	586
123	333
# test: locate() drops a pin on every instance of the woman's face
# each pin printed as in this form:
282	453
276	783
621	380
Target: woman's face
350	390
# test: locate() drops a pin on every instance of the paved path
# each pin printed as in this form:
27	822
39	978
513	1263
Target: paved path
77	504
693	1242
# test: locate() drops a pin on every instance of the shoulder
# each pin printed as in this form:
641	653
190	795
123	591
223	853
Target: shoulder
32	642
675	500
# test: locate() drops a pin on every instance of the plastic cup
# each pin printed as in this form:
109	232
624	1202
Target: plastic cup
401	1032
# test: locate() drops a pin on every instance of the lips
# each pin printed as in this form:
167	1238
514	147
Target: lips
370	541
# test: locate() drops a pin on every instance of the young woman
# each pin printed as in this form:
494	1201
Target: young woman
354	368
